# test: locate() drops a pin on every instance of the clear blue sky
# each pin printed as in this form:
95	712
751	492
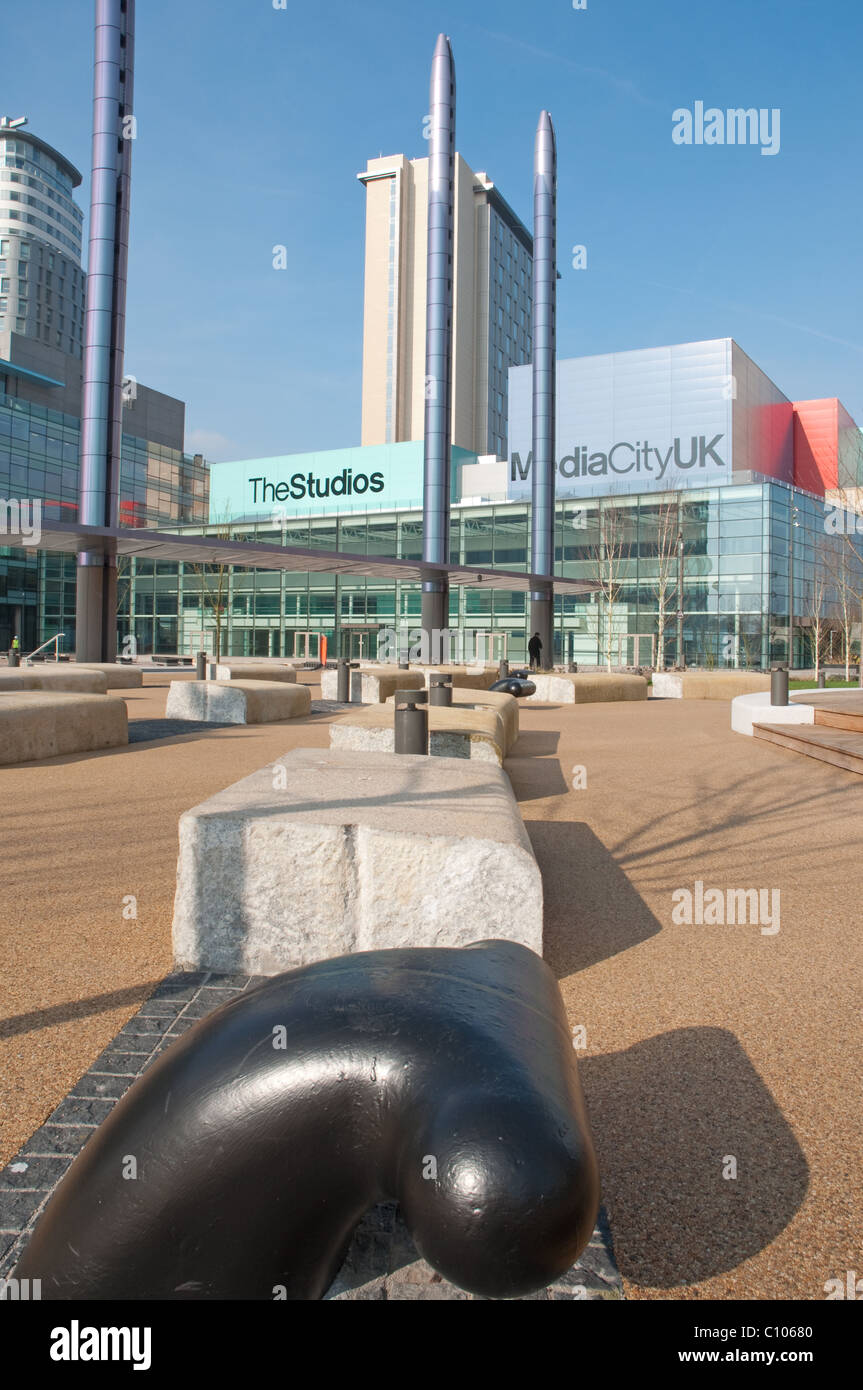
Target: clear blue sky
253	123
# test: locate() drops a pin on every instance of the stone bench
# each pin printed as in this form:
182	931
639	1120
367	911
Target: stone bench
69	679
118	677
330	851
708	685
237	702
453	732
506	706
251	671
586	687
372	685
38	724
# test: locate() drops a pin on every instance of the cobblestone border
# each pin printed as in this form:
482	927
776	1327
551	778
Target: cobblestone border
382	1262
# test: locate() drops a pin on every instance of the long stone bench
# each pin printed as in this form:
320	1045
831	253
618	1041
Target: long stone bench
118	677
586	687
69	679
253	671
237	702
504	705
375	684
45	724
329	851
708	685
453	732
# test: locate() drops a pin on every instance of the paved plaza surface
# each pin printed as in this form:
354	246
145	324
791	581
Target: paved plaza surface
709	1050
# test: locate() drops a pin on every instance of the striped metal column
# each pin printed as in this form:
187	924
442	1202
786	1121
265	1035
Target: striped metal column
544	366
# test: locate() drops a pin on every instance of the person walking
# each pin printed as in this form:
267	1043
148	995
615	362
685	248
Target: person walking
534	648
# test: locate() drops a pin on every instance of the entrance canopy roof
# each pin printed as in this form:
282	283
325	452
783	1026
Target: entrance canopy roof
68	538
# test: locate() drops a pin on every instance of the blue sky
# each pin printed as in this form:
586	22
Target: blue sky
253	123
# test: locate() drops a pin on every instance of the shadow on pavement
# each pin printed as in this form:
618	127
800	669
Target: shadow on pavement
668	1115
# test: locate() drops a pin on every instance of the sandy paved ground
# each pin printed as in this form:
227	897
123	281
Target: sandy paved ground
704	1043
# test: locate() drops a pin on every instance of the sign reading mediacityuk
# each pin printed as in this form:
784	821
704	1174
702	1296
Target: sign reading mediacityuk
640	461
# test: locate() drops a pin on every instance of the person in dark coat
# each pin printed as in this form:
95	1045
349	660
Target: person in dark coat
534	648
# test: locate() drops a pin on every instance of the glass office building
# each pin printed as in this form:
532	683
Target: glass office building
39	447
737	569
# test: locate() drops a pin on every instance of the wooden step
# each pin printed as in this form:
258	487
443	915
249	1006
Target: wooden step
840	747
840	719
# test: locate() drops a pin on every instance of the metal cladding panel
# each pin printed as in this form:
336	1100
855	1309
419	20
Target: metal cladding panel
816	445
850	450
763	422
657	419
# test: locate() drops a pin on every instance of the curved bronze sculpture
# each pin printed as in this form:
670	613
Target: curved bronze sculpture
442	1078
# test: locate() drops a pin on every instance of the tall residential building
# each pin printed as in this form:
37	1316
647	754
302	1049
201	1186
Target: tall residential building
42	284
493	263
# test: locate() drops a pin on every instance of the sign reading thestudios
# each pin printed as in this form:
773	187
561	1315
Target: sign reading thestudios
625	459
347	483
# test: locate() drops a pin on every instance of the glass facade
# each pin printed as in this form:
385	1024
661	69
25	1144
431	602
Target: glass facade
39	459
509	320
737	567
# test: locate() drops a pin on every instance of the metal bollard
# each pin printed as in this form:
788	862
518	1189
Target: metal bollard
411	722
343	683
201	664
440	688
572	666
14	658
503	669
404	666
779	686
822	680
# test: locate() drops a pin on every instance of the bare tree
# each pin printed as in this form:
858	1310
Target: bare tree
214	585
845	566
663	561
815	597
607	556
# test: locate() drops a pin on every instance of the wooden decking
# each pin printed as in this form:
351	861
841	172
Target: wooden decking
836	737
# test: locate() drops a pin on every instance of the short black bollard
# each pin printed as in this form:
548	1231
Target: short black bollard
573	666
411	722
503	669
201	665
779	686
343	683
440	688
14	658
822	680
404	666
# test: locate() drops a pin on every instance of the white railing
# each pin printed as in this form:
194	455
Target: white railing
56	639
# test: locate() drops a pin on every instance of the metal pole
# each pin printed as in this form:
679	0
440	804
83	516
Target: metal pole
439	299
201	666
544	394
104	331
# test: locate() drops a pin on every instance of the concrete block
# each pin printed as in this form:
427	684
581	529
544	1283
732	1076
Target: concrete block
68	678
370	685
454	731
328	851
708	685
117	677
586	687
506	706
255	671
237	702
755	708
45	724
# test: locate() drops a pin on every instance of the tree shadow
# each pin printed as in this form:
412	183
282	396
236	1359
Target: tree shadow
668	1116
